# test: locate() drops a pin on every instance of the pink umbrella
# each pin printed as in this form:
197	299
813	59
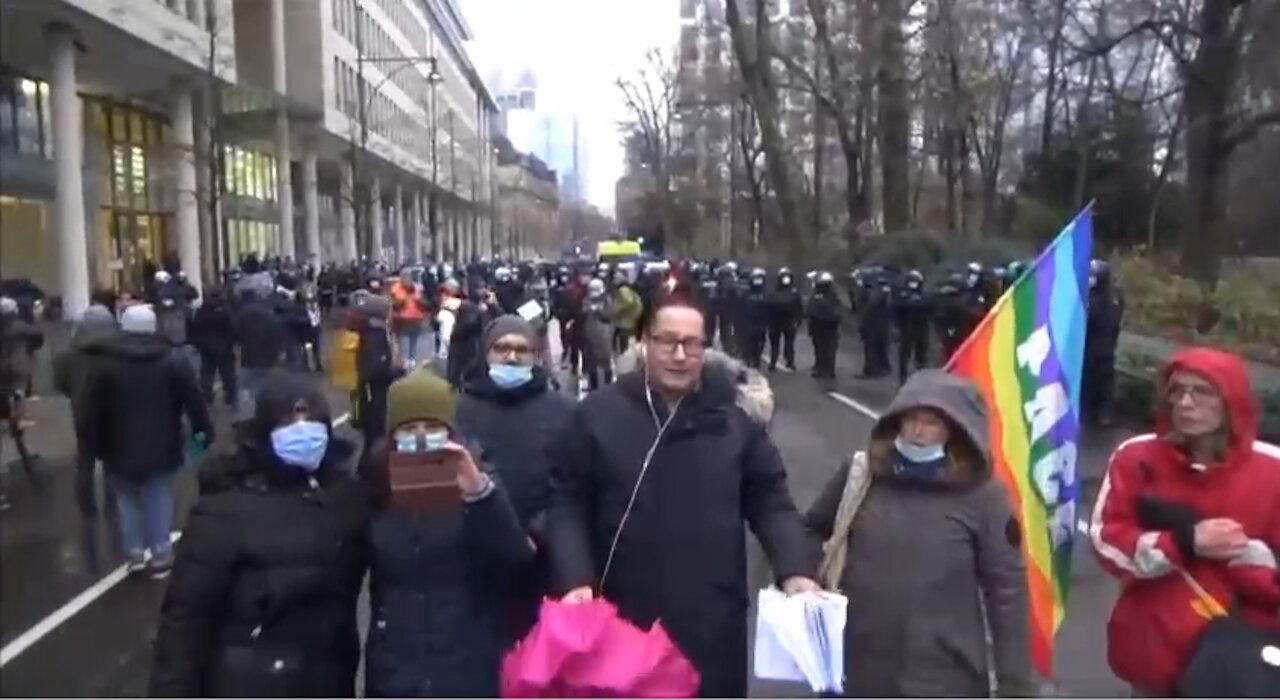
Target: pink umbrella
586	650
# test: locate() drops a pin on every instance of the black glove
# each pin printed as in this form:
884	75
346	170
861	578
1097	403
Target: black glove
1179	519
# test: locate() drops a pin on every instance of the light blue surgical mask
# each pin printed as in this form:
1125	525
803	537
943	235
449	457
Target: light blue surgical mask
920	455
510	376
302	444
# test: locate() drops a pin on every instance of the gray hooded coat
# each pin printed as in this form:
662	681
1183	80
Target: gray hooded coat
926	555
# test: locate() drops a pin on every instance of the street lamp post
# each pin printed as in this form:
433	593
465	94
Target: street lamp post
365	94
433	201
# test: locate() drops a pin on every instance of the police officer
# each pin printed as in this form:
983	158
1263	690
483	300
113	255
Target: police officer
725	301
912	310
752	319
977	299
1106	314
708	293
874	323
949	314
786	311
824	313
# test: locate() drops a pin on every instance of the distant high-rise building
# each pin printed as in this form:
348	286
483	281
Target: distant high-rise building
551	135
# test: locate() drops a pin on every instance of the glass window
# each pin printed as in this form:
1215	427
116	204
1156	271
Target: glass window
8	121
138	176
27	117
119	129
136	129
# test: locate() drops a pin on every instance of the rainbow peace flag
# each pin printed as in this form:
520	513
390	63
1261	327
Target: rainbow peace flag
1026	357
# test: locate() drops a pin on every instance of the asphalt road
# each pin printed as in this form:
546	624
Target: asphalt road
72	626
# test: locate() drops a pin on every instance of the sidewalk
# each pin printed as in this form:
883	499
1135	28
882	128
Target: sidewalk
1265	377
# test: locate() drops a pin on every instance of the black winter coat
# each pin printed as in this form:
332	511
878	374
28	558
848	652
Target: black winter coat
682	557
139	391
213	329
262	600
517	429
261	333
438	591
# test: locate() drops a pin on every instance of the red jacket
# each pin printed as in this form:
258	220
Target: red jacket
1142	531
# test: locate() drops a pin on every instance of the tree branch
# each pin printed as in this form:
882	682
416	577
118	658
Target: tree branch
1249	128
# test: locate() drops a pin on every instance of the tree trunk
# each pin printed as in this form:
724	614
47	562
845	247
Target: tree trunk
1051	77
894	116
757	73
1210	79
1084	139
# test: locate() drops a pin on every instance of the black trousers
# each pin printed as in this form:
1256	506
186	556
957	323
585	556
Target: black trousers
752	347
913	350
1097	391
825	343
784	336
225	368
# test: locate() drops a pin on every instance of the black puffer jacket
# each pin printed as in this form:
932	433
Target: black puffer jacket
139	391
438	588
262	601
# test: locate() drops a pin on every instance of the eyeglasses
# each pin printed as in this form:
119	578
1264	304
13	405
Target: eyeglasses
509	350
665	344
1199	394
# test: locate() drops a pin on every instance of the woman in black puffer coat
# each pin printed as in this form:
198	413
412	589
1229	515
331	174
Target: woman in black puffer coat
439	579
262	599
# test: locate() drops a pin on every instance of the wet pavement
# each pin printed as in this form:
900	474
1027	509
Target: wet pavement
49	555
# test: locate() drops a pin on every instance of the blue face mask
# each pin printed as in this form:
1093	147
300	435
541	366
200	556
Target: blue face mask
920	456
510	376
302	444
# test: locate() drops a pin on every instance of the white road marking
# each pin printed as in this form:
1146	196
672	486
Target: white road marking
1081	524
42	628
86	598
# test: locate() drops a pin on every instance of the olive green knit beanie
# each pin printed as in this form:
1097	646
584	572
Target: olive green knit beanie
420	395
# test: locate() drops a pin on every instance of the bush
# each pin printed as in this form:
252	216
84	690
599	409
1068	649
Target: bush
1241	314
925	250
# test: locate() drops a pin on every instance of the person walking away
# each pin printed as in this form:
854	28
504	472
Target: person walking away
261	335
912	310
927	497
173	312
443	572
18	341
1105	319
262	601
73	371
213	333
824	313
409	314
596	322
752	319
139	394
1195	501
377	365
515	413
627	312
651	485
786	312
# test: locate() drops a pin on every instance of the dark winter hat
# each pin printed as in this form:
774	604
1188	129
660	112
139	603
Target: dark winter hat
421	395
508	325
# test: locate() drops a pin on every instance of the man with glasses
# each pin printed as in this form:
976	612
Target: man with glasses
1188	519
651	485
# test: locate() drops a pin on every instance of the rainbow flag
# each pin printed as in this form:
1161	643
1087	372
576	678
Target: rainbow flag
1026	357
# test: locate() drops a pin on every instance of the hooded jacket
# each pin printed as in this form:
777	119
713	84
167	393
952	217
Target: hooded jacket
139	390
262	599
681	557
926	555
1143	530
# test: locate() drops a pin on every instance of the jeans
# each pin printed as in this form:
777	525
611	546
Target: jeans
146	513
407	338
251	381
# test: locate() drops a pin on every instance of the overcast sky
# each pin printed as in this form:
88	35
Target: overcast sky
577	49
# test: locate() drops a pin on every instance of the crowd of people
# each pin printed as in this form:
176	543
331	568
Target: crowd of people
479	486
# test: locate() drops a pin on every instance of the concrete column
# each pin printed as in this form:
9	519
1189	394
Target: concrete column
415	231
68	155
375	218
284	155
400	221
186	220
311	206
347	213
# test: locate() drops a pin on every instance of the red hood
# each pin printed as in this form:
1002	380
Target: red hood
1229	374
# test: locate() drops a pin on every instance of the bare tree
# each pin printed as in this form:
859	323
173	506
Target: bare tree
650	97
